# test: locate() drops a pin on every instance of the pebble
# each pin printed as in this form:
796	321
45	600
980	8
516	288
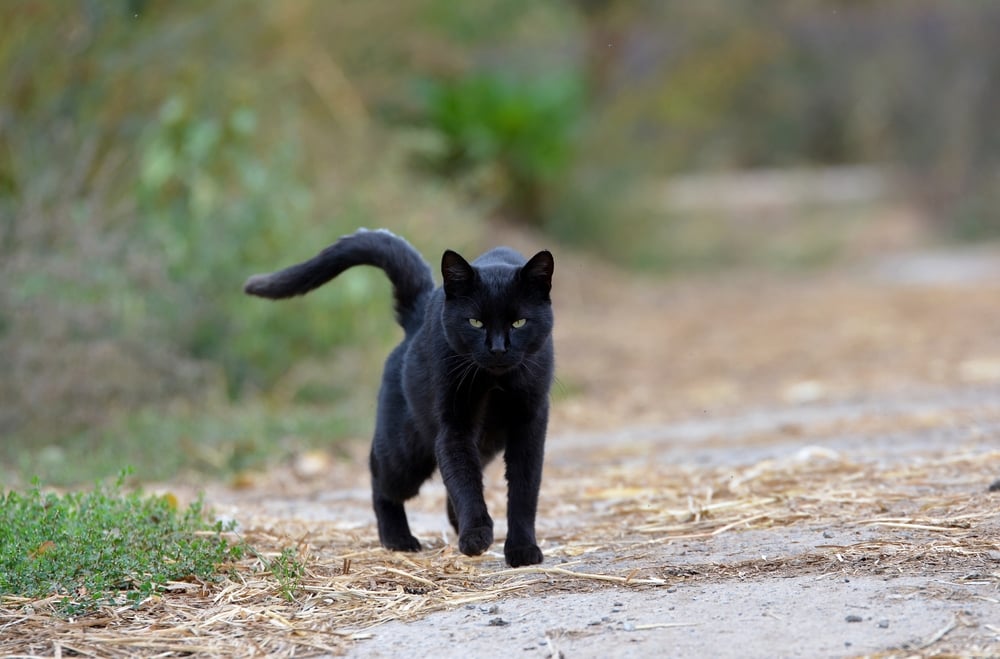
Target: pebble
854	618
498	622
883	624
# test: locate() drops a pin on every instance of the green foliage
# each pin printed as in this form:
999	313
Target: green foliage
520	131
105	546
288	570
144	174
211	203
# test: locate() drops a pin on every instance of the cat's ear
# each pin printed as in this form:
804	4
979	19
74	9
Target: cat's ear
537	272
458	275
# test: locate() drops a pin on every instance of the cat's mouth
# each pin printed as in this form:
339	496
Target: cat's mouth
499	366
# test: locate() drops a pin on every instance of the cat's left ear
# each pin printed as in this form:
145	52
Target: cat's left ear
537	272
458	275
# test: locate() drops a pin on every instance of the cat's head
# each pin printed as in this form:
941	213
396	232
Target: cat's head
497	310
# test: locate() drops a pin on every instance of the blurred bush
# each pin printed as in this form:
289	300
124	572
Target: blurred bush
514	135
210	204
152	156
688	87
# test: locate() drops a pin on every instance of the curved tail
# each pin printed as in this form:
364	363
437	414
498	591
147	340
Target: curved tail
410	275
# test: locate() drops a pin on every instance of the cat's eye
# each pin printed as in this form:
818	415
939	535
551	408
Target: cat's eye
518	324
475	322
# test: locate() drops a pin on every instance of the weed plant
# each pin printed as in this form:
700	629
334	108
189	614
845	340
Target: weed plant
105	546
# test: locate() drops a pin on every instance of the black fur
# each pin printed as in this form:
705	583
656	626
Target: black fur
454	393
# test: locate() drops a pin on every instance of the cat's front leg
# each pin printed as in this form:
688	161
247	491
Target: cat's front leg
462	473
523	456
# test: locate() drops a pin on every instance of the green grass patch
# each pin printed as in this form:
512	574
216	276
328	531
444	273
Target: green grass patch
105	546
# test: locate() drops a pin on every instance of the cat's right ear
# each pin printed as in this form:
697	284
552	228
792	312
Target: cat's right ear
458	275
537	272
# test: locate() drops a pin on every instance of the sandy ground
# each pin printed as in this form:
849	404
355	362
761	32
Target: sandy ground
829	583
747	466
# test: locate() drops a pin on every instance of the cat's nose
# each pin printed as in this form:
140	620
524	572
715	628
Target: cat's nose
498	345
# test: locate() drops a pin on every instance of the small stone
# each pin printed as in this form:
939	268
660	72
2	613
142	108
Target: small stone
883	624
629	626
854	618
492	608
828	534
806	391
311	464
498	622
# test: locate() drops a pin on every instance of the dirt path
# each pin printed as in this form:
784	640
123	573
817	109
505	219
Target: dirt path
809	530
747	466
741	467
770	542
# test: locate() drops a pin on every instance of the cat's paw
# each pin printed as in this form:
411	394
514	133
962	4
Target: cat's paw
476	540
523	555
402	543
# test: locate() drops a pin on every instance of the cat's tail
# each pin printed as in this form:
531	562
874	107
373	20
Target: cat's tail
410	275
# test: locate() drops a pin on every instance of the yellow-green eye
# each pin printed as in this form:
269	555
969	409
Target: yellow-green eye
475	322
517	324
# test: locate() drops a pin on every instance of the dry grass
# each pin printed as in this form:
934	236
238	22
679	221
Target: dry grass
625	521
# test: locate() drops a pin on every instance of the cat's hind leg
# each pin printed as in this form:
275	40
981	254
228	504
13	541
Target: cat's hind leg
399	462
393	528
452	515
396	478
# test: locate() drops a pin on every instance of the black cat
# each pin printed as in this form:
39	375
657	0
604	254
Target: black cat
470	379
